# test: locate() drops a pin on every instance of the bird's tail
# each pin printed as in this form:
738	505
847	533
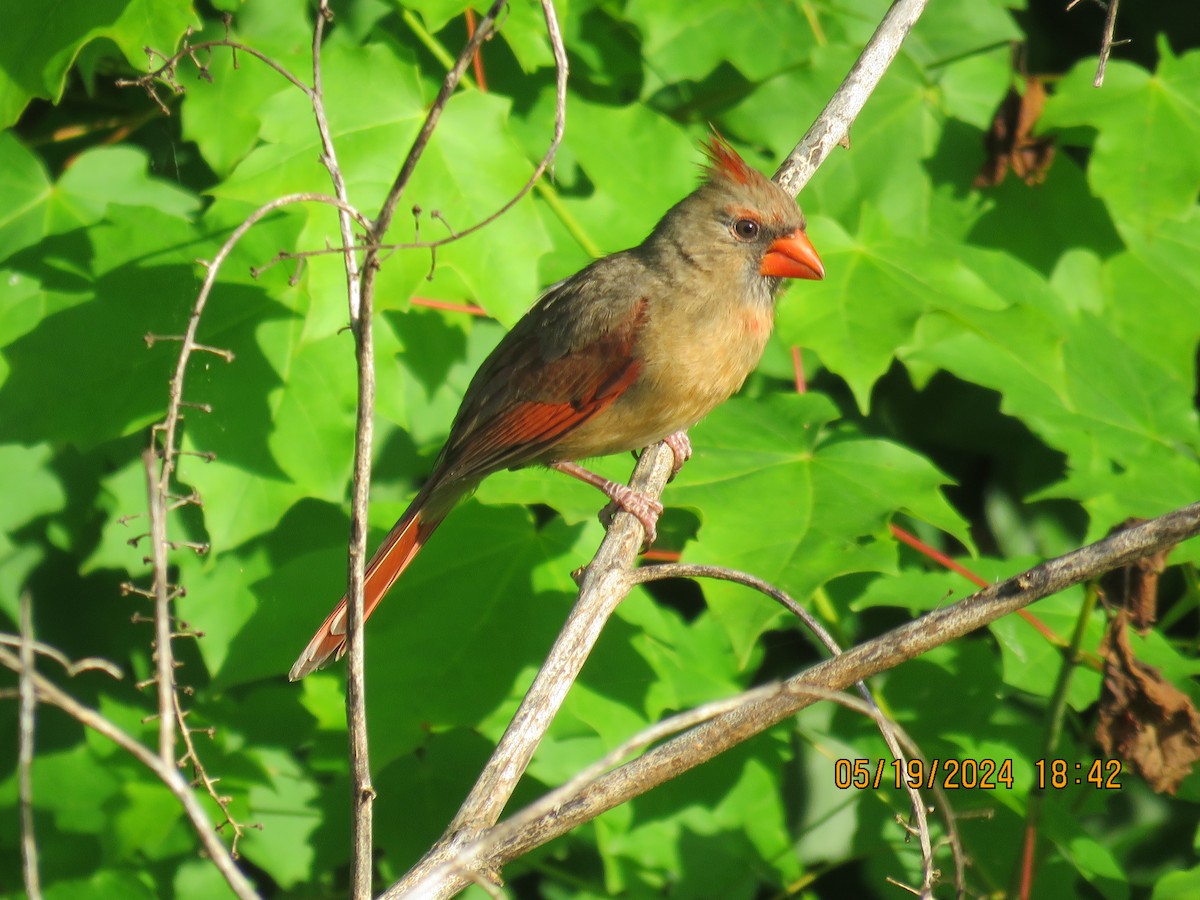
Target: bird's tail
409	534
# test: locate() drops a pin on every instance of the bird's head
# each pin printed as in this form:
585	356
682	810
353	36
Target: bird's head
740	222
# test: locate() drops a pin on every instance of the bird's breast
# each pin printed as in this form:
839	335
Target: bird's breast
690	359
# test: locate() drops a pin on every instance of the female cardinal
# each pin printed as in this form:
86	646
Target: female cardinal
634	349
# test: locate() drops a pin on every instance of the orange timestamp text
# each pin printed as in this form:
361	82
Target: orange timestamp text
1057	774
987	774
948	774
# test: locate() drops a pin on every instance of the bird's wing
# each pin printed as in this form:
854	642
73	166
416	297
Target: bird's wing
557	369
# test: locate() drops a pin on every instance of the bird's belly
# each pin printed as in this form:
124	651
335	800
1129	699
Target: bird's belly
671	395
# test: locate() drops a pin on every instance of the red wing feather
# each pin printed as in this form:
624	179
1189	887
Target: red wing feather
527	404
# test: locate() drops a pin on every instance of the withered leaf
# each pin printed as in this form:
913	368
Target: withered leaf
1135	587
1144	720
1010	143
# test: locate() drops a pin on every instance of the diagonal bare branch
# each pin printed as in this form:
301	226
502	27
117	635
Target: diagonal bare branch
48	692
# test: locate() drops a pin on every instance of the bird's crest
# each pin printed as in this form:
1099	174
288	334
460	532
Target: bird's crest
724	162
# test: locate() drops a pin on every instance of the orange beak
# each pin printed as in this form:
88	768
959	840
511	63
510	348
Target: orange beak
792	256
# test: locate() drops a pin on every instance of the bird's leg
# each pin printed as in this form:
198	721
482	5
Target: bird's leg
645	509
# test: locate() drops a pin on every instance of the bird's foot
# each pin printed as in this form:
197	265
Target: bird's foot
642	507
681	446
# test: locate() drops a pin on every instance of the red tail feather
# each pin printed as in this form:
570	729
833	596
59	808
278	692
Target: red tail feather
389	561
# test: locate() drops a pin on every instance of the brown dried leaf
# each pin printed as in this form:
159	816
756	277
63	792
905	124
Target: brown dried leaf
1135	587
1010	142
1145	721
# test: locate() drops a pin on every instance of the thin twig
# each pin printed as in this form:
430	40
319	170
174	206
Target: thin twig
49	692
163	657
28	701
166	71
329	160
359	295
1106	45
562	72
170	425
356	703
201	778
449	85
171	715
72	668
886	725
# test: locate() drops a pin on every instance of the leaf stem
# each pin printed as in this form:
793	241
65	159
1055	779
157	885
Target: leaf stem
432	44
1073	654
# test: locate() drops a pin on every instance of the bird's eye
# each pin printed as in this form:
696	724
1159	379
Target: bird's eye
745	229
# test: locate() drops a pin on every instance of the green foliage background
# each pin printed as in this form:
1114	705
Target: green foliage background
1009	372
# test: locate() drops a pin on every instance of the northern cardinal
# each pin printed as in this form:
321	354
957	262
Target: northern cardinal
634	349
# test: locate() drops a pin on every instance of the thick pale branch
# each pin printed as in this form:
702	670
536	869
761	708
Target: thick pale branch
495	847
832	127
604	584
465	856
867	659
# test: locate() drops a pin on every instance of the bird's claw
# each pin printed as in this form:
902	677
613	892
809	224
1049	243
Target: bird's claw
681	447
642	507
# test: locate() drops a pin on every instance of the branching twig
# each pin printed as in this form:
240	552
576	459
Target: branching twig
166	72
72	668
48	692
1106	45
364	353
484	30
449	84
1106	42
886	726
497	844
161	463
201	778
